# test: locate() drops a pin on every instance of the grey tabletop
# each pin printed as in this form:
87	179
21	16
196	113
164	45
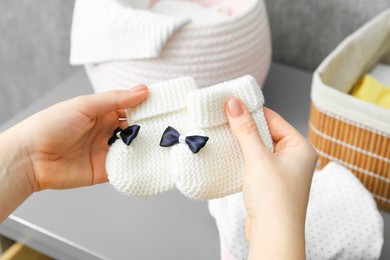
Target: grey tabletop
99	223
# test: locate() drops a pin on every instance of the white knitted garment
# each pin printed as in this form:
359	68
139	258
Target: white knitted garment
145	168
342	220
217	170
123	46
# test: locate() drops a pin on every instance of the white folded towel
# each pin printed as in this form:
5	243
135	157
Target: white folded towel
124	43
342	221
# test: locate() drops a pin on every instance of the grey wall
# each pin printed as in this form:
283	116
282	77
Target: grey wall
34	50
34	40
305	31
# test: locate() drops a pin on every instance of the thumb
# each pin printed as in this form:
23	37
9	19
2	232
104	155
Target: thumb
105	102
245	130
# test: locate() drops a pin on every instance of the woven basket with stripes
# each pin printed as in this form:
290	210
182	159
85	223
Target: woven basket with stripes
347	130
363	150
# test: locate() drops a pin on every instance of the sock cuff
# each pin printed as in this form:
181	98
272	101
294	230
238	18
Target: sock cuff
206	107
164	97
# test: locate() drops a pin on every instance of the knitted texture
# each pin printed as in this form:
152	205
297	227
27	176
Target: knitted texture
145	168
342	220
142	168
167	47
216	171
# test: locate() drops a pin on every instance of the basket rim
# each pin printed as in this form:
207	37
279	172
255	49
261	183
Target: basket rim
335	99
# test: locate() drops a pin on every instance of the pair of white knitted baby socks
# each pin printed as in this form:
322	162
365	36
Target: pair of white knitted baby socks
184	140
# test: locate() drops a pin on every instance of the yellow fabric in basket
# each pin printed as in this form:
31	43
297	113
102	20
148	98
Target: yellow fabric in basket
371	90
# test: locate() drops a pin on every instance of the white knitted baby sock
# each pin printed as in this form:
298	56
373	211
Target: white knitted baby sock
216	170
142	168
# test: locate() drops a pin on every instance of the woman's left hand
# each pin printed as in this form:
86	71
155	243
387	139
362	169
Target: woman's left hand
67	143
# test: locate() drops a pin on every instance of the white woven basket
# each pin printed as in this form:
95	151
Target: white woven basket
210	52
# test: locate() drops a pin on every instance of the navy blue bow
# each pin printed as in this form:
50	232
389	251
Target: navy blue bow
127	135
171	137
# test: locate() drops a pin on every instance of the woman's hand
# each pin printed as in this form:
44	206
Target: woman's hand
63	146
67	143
276	185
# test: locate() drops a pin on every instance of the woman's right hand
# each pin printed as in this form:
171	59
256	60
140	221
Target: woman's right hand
276	185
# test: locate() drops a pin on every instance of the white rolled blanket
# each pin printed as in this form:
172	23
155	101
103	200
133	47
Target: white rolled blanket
125	43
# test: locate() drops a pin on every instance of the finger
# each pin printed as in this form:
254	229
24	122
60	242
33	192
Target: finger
101	103
278	127
123	124
121	113
245	130
122	118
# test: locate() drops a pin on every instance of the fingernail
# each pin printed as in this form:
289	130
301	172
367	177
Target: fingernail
235	107
138	88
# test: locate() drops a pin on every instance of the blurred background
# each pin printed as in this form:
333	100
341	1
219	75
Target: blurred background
34	40
34	50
